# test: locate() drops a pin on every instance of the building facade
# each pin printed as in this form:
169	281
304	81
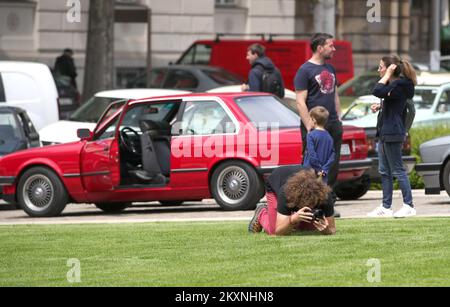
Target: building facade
39	30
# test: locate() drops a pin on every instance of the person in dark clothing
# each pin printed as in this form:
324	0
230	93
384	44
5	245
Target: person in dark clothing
316	85
320	152
398	79
260	64
65	66
293	192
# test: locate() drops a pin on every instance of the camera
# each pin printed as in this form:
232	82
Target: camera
318	214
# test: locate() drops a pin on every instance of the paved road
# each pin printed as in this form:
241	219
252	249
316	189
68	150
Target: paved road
208	210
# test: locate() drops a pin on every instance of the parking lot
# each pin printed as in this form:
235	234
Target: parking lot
208	210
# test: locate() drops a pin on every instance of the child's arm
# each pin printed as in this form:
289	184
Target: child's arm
312	154
326	168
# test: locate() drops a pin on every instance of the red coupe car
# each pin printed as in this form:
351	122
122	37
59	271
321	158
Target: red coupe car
169	149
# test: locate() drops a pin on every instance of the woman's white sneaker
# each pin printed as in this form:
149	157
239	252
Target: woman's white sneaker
405	211
381	212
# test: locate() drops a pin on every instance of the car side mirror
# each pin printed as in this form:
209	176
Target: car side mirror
34	136
84	134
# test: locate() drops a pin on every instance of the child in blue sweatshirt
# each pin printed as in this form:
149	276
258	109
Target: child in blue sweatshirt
319	153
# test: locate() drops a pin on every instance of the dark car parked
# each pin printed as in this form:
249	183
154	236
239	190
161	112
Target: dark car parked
69	97
16	131
198	78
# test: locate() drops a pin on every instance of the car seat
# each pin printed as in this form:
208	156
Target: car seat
155	144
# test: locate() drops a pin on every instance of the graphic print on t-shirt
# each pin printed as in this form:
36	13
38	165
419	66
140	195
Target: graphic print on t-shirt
327	82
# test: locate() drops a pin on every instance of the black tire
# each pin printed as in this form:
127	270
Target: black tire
40	193
112	207
171	202
446	177
352	190
235	185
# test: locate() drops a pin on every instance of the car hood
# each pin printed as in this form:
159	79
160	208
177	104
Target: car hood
63	131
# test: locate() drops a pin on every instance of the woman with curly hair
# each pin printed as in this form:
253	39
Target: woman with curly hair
293	195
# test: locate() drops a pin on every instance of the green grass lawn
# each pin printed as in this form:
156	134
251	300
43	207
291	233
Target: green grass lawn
413	252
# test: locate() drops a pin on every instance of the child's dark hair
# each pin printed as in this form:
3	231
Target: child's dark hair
304	190
319	39
320	115
403	67
258	49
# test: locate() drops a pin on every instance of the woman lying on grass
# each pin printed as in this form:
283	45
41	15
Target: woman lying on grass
296	200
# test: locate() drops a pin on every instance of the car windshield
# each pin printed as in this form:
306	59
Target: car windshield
264	111
359	86
424	98
93	109
358	110
223	77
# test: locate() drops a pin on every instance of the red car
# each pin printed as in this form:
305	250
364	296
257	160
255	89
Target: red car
169	149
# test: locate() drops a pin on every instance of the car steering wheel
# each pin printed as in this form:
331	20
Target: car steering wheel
126	141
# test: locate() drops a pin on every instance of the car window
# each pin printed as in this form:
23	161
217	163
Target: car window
15	83
444	102
424	98
109	131
265	111
153	112
206	118
181	79
91	111
8	126
223	77
198	54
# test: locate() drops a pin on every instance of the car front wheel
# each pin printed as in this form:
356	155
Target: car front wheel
40	193
235	185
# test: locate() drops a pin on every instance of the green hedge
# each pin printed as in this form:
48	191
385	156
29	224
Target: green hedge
419	136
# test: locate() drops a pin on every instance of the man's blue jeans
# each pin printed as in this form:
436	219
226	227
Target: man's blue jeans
390	166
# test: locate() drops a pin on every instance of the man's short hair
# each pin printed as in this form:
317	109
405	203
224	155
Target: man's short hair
258	49
320	115
319	39
68	50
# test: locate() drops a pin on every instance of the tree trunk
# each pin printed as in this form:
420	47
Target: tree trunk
99	68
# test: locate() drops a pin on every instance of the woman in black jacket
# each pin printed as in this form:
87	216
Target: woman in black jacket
398	79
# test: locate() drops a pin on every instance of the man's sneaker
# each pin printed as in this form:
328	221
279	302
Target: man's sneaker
381	212
254	226
405	211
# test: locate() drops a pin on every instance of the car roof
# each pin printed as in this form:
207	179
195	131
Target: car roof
427	78
138	93
17	65
201	95
5	109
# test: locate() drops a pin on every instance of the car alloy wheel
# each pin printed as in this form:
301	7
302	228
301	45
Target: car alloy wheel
233	185
38	192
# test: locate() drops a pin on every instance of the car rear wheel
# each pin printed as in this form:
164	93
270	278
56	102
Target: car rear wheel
41	193
235	185
446	177
353	190
113	207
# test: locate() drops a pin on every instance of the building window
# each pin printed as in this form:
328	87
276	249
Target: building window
226	3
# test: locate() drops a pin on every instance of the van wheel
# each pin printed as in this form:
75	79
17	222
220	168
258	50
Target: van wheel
41	193
235	185
113	207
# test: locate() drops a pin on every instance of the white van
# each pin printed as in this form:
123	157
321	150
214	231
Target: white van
30	86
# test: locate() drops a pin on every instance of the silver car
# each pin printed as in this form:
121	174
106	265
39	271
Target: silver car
435	168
